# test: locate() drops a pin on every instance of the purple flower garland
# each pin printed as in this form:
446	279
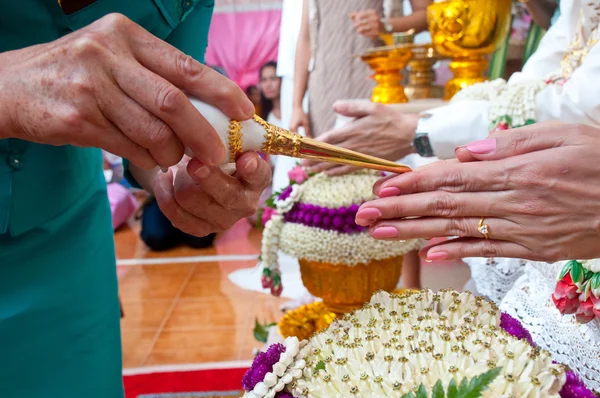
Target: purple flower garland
574	386
341	220
263	364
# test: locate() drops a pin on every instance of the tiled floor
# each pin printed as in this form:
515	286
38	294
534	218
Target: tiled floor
181	312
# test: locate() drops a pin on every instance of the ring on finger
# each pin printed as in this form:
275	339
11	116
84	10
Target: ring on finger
483	228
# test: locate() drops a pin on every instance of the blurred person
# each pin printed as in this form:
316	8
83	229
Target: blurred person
543	12
371	24
253	94
327	65
269	87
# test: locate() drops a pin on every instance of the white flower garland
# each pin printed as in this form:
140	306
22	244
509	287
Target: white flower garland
283	206
340	191
285	371
484	91
316	244
396	343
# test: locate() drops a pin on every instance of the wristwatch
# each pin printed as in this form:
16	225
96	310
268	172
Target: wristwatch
387	26
421	142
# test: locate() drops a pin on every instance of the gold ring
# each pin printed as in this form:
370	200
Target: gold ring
483	228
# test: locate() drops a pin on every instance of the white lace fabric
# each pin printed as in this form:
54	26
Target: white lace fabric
571	343
494	277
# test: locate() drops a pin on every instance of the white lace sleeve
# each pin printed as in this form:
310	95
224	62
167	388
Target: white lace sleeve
494	277
571	343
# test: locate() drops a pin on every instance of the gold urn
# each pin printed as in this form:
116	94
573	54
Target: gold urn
343	288
468	32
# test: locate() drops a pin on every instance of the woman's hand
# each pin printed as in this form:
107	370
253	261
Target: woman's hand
538	188
367	23
378	131
200	199
300	119
114	86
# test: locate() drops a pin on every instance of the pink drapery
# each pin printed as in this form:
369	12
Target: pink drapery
244	35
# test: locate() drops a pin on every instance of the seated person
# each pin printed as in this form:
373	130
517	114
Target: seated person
159	234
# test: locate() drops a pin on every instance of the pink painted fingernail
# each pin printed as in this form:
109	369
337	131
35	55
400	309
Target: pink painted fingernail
389	191
482	147
385	233
368	216
437	256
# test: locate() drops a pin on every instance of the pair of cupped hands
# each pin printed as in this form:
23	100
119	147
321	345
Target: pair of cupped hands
537	189
115	86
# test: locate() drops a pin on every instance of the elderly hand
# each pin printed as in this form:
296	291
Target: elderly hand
367	23
114	86
379	131
538	188
200	199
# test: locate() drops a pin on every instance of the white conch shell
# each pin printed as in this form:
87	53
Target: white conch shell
253	134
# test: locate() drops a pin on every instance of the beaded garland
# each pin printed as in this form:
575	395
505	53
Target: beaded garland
313	219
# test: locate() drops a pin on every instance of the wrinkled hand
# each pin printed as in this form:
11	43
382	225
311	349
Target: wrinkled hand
366	23
538	188
114	86
300	119
201	199
378	131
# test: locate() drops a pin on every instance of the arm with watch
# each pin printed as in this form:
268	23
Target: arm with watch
369	24
386	132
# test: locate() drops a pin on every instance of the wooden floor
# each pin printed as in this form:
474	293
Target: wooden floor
183	310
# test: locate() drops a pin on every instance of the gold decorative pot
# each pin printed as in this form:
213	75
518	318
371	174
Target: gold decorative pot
344	289
421	75
468	31
388	64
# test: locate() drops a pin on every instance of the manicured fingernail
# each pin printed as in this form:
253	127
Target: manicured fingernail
437	256
202	172
252	165
390	191
482	147
368	216
385	233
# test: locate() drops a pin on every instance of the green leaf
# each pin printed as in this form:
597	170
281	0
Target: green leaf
576	272
463	387
320	366
422	392
261	332
259	215
565	270
438	390
409	395
452	389
595	281
480	383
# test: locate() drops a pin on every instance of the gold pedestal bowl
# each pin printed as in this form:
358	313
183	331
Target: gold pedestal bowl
344	289
388	64
468	31
421	75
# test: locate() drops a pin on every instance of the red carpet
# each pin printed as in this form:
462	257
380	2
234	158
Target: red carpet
183	383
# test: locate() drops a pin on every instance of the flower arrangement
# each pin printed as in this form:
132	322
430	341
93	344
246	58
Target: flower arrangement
578	290
313	219
415	344
305	321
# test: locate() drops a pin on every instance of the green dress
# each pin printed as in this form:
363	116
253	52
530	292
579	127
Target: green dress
59	309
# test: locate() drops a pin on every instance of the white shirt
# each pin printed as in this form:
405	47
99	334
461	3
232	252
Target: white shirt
577	101
291	19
